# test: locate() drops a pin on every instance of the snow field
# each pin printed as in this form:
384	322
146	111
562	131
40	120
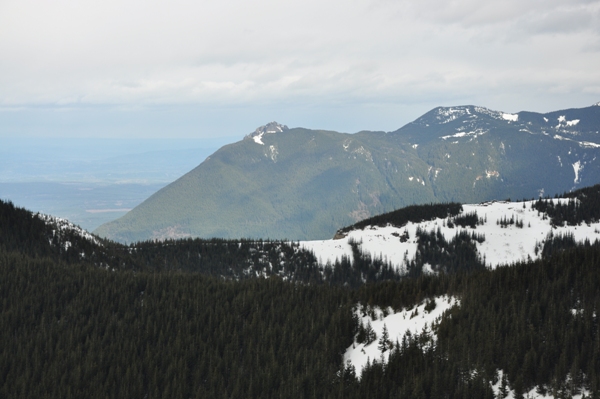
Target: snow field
502	245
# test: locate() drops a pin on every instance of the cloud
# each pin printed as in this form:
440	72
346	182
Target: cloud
235	52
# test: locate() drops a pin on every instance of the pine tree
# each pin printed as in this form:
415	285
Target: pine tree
384	341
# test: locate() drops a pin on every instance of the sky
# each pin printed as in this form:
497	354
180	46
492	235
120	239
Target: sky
199	69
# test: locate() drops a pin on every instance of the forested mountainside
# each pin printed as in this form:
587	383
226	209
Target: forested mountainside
302	184
72	331
84	317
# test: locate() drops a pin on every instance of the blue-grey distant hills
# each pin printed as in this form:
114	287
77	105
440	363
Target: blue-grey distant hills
304	184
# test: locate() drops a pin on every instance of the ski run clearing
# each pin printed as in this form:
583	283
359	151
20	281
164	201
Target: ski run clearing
502	245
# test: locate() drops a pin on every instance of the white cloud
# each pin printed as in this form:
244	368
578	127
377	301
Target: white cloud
509	55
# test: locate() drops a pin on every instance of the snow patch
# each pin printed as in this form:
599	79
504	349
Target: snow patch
415	320
577	167
258	139
269	128
475	133
588	144
446	115
534	393
563	122
510	117
273	153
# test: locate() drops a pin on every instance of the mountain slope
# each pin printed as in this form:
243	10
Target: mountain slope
304	184
488	234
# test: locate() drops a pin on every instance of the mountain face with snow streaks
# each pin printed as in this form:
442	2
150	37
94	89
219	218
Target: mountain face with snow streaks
301	184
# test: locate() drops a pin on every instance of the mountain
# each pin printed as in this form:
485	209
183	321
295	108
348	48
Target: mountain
303	184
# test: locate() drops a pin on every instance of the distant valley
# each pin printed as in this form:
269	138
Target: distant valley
93	181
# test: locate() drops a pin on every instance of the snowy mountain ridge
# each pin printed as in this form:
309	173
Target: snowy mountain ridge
448	114
507	232
62	229
469	118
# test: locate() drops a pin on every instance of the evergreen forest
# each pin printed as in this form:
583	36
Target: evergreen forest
85	317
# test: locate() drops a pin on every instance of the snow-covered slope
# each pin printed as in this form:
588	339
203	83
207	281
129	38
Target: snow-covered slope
502	245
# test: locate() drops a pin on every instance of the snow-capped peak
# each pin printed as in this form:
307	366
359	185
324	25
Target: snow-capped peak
444	115
269	128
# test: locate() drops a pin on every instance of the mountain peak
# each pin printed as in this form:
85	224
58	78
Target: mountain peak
444	115
269	128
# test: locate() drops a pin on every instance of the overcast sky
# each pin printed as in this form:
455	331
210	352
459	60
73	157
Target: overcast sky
127	68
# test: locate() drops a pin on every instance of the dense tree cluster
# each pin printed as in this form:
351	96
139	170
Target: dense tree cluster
78	331
470	219
583	206
413	213
20	231
458	254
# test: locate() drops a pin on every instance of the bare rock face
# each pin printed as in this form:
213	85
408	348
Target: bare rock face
339	235
269	128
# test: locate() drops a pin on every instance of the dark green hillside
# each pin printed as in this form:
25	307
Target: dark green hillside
158	320
29	234
303	184
310	183
78	331
73	332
